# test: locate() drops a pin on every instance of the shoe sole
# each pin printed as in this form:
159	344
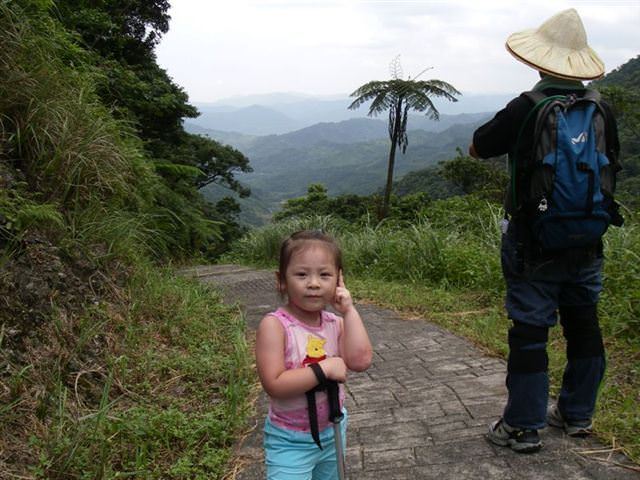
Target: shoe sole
514	445
577	432
571	431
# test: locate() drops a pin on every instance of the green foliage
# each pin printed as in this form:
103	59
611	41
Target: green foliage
227	211
621	90
621	294
112	368
429	181
429	251
354	209
218	163
473	175
92	167
348	207
119	40
625	103
70	152
18	213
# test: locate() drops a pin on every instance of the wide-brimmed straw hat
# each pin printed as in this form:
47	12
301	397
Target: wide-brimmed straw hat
558	47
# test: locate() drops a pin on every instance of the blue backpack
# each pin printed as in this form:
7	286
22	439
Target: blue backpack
569	194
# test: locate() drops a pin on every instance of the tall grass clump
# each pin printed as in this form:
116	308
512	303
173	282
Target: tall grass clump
165	400
261	247
621	295
456	244
53	123
422	253
64	144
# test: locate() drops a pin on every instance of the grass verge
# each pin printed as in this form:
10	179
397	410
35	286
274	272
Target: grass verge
152	383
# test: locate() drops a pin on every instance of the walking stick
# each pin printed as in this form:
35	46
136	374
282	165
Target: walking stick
335	417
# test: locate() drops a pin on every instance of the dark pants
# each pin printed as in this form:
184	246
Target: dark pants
536	291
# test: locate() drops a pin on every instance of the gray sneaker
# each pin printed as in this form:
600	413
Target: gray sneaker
580	428
519	440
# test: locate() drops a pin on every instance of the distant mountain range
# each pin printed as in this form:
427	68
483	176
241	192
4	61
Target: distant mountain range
283	113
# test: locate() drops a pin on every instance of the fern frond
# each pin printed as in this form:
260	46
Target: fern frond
40	215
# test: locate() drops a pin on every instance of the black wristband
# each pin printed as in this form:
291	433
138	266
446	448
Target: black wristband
317	370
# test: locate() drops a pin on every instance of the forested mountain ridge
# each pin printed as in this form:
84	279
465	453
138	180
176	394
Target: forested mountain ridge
626	75
347	157
251	120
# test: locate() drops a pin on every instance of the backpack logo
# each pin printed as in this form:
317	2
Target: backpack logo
582	138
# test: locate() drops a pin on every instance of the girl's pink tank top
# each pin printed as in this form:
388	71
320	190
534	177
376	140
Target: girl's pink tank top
305	344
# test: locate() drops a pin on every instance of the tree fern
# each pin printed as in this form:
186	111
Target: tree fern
398	97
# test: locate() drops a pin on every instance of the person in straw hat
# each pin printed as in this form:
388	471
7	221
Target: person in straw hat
567	282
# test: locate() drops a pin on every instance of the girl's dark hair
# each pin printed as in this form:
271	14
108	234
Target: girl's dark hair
297	240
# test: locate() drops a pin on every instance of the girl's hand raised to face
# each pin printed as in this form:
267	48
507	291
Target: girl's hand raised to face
342	301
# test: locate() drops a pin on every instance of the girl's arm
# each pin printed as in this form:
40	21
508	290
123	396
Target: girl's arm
276	380
355	346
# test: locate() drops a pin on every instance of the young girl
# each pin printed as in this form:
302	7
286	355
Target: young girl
300	334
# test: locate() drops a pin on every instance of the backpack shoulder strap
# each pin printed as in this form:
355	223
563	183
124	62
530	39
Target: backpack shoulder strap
542	104
534	96
592	95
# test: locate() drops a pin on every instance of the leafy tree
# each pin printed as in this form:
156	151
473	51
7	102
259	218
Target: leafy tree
399	96
119	38
212	162
475	176
227	211
352	208
625	102
348	207
427	180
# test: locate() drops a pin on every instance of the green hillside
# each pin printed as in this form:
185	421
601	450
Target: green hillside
626	75
110	365
285	165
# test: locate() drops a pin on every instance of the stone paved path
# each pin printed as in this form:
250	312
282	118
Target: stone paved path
422	409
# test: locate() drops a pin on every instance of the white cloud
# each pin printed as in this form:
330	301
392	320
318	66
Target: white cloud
216	49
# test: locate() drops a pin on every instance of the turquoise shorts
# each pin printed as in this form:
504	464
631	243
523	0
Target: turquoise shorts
292	455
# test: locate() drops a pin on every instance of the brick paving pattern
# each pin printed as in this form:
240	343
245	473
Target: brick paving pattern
421	411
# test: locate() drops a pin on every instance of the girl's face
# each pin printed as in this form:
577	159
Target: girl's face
310	281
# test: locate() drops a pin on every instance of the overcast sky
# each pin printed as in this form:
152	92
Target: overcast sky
218	49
